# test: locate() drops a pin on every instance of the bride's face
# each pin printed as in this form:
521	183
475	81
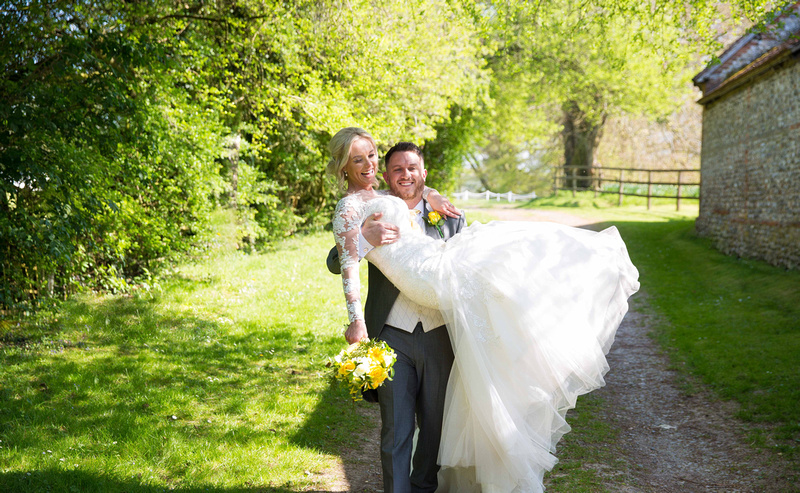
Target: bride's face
362	165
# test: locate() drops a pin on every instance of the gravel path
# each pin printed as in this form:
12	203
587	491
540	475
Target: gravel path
670	441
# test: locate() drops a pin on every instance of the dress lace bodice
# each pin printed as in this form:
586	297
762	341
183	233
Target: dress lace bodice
410	263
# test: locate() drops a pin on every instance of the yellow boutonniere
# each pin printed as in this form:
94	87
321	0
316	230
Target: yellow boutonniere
436	220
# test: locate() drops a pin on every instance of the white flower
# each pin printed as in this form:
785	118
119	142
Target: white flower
362	366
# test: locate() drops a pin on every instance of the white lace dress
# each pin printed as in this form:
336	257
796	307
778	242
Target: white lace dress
531	309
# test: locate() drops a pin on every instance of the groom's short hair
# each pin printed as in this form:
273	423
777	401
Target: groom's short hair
404	147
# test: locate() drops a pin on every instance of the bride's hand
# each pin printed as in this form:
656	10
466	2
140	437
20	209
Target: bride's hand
379	233
441	205
356	331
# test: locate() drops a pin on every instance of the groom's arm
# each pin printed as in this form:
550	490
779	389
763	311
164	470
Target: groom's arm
461	222
373	232
456	224
333	262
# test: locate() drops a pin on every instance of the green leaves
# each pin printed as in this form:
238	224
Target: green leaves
115	113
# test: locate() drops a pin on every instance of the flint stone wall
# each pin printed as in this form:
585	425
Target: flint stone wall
750	196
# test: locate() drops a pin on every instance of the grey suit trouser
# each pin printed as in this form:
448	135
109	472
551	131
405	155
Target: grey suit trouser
417	391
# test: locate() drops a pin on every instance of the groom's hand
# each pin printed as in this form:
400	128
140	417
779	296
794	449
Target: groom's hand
379	233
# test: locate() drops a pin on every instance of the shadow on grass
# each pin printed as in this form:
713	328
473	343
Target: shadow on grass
163	385
78	481
339	432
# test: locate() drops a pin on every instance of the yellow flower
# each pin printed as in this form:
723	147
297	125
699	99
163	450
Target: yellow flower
378	375
347	367
376	354
435	219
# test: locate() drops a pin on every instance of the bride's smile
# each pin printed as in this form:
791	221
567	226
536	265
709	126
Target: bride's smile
362	165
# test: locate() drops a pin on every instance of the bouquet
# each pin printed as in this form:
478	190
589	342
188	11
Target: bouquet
364	365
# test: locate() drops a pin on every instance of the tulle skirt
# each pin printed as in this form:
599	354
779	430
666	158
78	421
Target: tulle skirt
532	309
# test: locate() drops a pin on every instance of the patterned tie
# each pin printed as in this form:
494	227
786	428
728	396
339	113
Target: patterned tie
412	215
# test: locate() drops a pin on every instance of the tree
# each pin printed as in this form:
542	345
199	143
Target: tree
575	64
118	115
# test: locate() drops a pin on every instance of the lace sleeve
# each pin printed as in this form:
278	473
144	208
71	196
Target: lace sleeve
346	226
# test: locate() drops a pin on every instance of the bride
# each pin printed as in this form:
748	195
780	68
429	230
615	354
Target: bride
531	310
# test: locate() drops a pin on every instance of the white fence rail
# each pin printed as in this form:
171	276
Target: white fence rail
487	195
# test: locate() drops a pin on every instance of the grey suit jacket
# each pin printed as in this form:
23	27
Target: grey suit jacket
383	293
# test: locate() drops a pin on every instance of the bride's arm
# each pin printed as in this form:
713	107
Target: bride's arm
346	226
440	203
374	232
437	201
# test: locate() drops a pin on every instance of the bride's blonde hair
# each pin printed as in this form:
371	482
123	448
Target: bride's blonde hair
339	147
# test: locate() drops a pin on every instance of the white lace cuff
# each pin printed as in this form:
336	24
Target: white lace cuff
354	311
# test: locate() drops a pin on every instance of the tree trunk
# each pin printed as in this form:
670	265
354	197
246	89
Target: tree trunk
476	167
234	145
581	136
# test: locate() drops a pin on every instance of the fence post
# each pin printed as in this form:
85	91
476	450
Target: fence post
488	194
574	183
511	196
621	186
649	187
555	181
678	200
595	182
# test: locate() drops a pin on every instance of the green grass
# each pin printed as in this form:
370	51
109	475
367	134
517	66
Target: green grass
213	379
215	383
582	451
735	323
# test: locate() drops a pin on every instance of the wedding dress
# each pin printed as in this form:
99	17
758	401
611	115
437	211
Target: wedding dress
531	309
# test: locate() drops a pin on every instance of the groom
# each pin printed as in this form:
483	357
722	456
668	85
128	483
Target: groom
417	334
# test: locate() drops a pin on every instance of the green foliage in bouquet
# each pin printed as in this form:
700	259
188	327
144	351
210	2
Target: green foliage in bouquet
363	366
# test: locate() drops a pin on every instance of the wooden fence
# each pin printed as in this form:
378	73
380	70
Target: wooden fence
598	179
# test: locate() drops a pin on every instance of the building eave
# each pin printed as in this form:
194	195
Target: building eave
788	52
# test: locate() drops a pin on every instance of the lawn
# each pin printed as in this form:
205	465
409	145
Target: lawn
213	380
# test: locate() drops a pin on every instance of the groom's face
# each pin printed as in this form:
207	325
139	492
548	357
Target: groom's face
405	174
